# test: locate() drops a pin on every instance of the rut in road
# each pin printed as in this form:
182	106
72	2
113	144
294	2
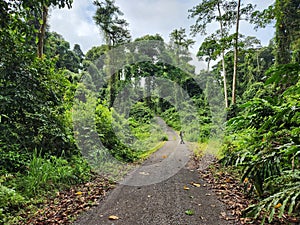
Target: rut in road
160	191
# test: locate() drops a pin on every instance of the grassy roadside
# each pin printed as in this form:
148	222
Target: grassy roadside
23	194
210	147
146	154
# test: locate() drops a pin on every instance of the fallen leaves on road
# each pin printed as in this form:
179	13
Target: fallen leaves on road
230	191
189	212
186	188
112	217
196	184
144	173
63	208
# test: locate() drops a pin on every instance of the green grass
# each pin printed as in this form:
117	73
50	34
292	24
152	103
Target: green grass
43	177
146	154
210	147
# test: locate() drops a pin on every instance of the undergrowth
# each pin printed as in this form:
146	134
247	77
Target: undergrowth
43	178
263	141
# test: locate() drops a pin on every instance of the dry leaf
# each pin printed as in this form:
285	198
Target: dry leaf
278	206
112	217
164	156
223	214
144	173
186	188
196	185
79	193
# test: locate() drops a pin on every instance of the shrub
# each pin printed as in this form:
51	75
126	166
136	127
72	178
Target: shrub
263	141
49	173
10	201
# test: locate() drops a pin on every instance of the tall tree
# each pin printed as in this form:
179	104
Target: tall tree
149	68
209	50
227	14
236	42
287	29
207	12
181	44
242	13
40	9
287	23
36	13
114	28
31	90
115	33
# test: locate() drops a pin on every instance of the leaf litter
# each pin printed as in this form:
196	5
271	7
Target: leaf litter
68	204
232	192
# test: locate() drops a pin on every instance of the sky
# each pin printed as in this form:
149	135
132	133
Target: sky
152	17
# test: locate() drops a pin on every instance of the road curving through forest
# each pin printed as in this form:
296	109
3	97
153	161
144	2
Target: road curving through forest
164	190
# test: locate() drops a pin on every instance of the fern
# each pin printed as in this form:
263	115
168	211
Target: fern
286	200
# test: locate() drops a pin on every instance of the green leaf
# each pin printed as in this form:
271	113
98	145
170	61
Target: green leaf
189	212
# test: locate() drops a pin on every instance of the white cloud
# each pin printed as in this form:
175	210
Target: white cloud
151	17
76	24
144	17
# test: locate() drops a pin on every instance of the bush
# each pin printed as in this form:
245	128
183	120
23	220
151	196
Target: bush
172	118
263	141
49	173
10	201
141	112
111	128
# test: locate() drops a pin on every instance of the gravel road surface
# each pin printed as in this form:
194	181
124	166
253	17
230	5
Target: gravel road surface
164	190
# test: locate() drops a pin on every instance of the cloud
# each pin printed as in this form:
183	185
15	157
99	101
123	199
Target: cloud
144	17
156	16
76	24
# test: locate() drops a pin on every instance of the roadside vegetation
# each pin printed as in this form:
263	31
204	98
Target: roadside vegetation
68	118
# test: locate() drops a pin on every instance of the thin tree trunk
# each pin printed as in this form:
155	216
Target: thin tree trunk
110	70
223	59
235	64
112	76
42	31
208	65
224	79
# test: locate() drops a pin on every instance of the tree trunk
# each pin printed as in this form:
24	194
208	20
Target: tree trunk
42	31
110	71
224	79
282	36
235	64
208	65
223	59
112	76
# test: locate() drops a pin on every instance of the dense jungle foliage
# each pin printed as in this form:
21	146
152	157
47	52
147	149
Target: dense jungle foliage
65	114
